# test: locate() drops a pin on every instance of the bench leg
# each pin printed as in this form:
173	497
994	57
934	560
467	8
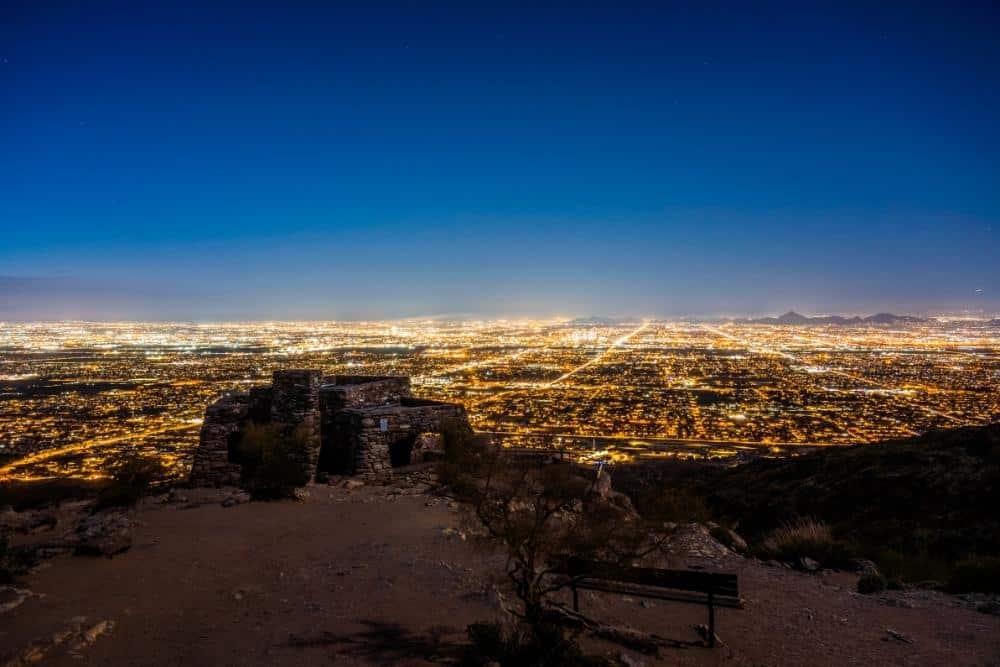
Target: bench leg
576	600
711	619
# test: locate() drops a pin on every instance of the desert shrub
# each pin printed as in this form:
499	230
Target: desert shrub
913	566
132	475
13	562
490	642
805	538
672	503
541	513
873	582
466	456
23	495
272	461
976	574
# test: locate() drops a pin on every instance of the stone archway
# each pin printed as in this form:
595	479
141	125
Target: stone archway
414	448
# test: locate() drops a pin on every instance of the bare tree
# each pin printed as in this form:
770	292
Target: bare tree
544	513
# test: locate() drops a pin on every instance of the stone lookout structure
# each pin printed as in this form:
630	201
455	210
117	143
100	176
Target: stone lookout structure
353	424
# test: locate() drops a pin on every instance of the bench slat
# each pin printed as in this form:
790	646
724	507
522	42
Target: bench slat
688	580
673	596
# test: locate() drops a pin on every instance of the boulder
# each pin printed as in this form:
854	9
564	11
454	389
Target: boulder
731	539
616	499
104	534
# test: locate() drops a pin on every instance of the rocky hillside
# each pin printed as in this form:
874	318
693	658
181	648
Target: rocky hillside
938	492
931	498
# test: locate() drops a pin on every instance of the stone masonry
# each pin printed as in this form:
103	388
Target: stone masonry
223	422
353	425
372	441
295	407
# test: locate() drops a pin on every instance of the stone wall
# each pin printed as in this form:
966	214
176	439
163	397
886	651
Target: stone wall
350	424
224	419
367	437
340	392
295	408
352	391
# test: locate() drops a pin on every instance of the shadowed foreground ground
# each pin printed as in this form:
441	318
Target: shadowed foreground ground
373	577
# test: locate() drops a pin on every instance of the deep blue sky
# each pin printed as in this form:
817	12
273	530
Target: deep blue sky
219	161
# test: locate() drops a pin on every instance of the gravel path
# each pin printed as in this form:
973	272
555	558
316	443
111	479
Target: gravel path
376	575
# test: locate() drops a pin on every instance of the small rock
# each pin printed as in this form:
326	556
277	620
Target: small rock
991	607
60	637
236	499
808	564
898	636
12	598
97	630
173	496
351	484
40	523
737	543
902	603
630	661
864	566
30	655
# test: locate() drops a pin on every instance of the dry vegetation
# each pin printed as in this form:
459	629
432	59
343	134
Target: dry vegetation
540	513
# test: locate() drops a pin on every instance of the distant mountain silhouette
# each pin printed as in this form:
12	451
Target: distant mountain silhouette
791	317
600	321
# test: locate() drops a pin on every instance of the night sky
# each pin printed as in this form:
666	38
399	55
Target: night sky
236	161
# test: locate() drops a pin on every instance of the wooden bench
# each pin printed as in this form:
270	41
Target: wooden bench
708	588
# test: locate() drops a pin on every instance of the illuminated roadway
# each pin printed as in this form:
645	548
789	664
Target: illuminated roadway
6	472
611	348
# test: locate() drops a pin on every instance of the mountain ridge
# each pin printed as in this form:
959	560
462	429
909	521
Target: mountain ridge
794	318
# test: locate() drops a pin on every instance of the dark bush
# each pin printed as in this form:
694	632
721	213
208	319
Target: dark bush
670	503
870	583
913	566
23	495
465	457
976	574
273	461
806	538
489	642
13	562
132	475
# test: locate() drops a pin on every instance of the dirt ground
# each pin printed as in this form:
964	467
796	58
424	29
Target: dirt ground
371	576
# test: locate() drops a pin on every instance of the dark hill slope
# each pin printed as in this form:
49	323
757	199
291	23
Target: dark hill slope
934	498
937	494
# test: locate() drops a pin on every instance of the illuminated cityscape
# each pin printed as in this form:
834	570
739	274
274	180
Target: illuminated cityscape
73	394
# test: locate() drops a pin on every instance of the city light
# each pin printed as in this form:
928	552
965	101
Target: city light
74	393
